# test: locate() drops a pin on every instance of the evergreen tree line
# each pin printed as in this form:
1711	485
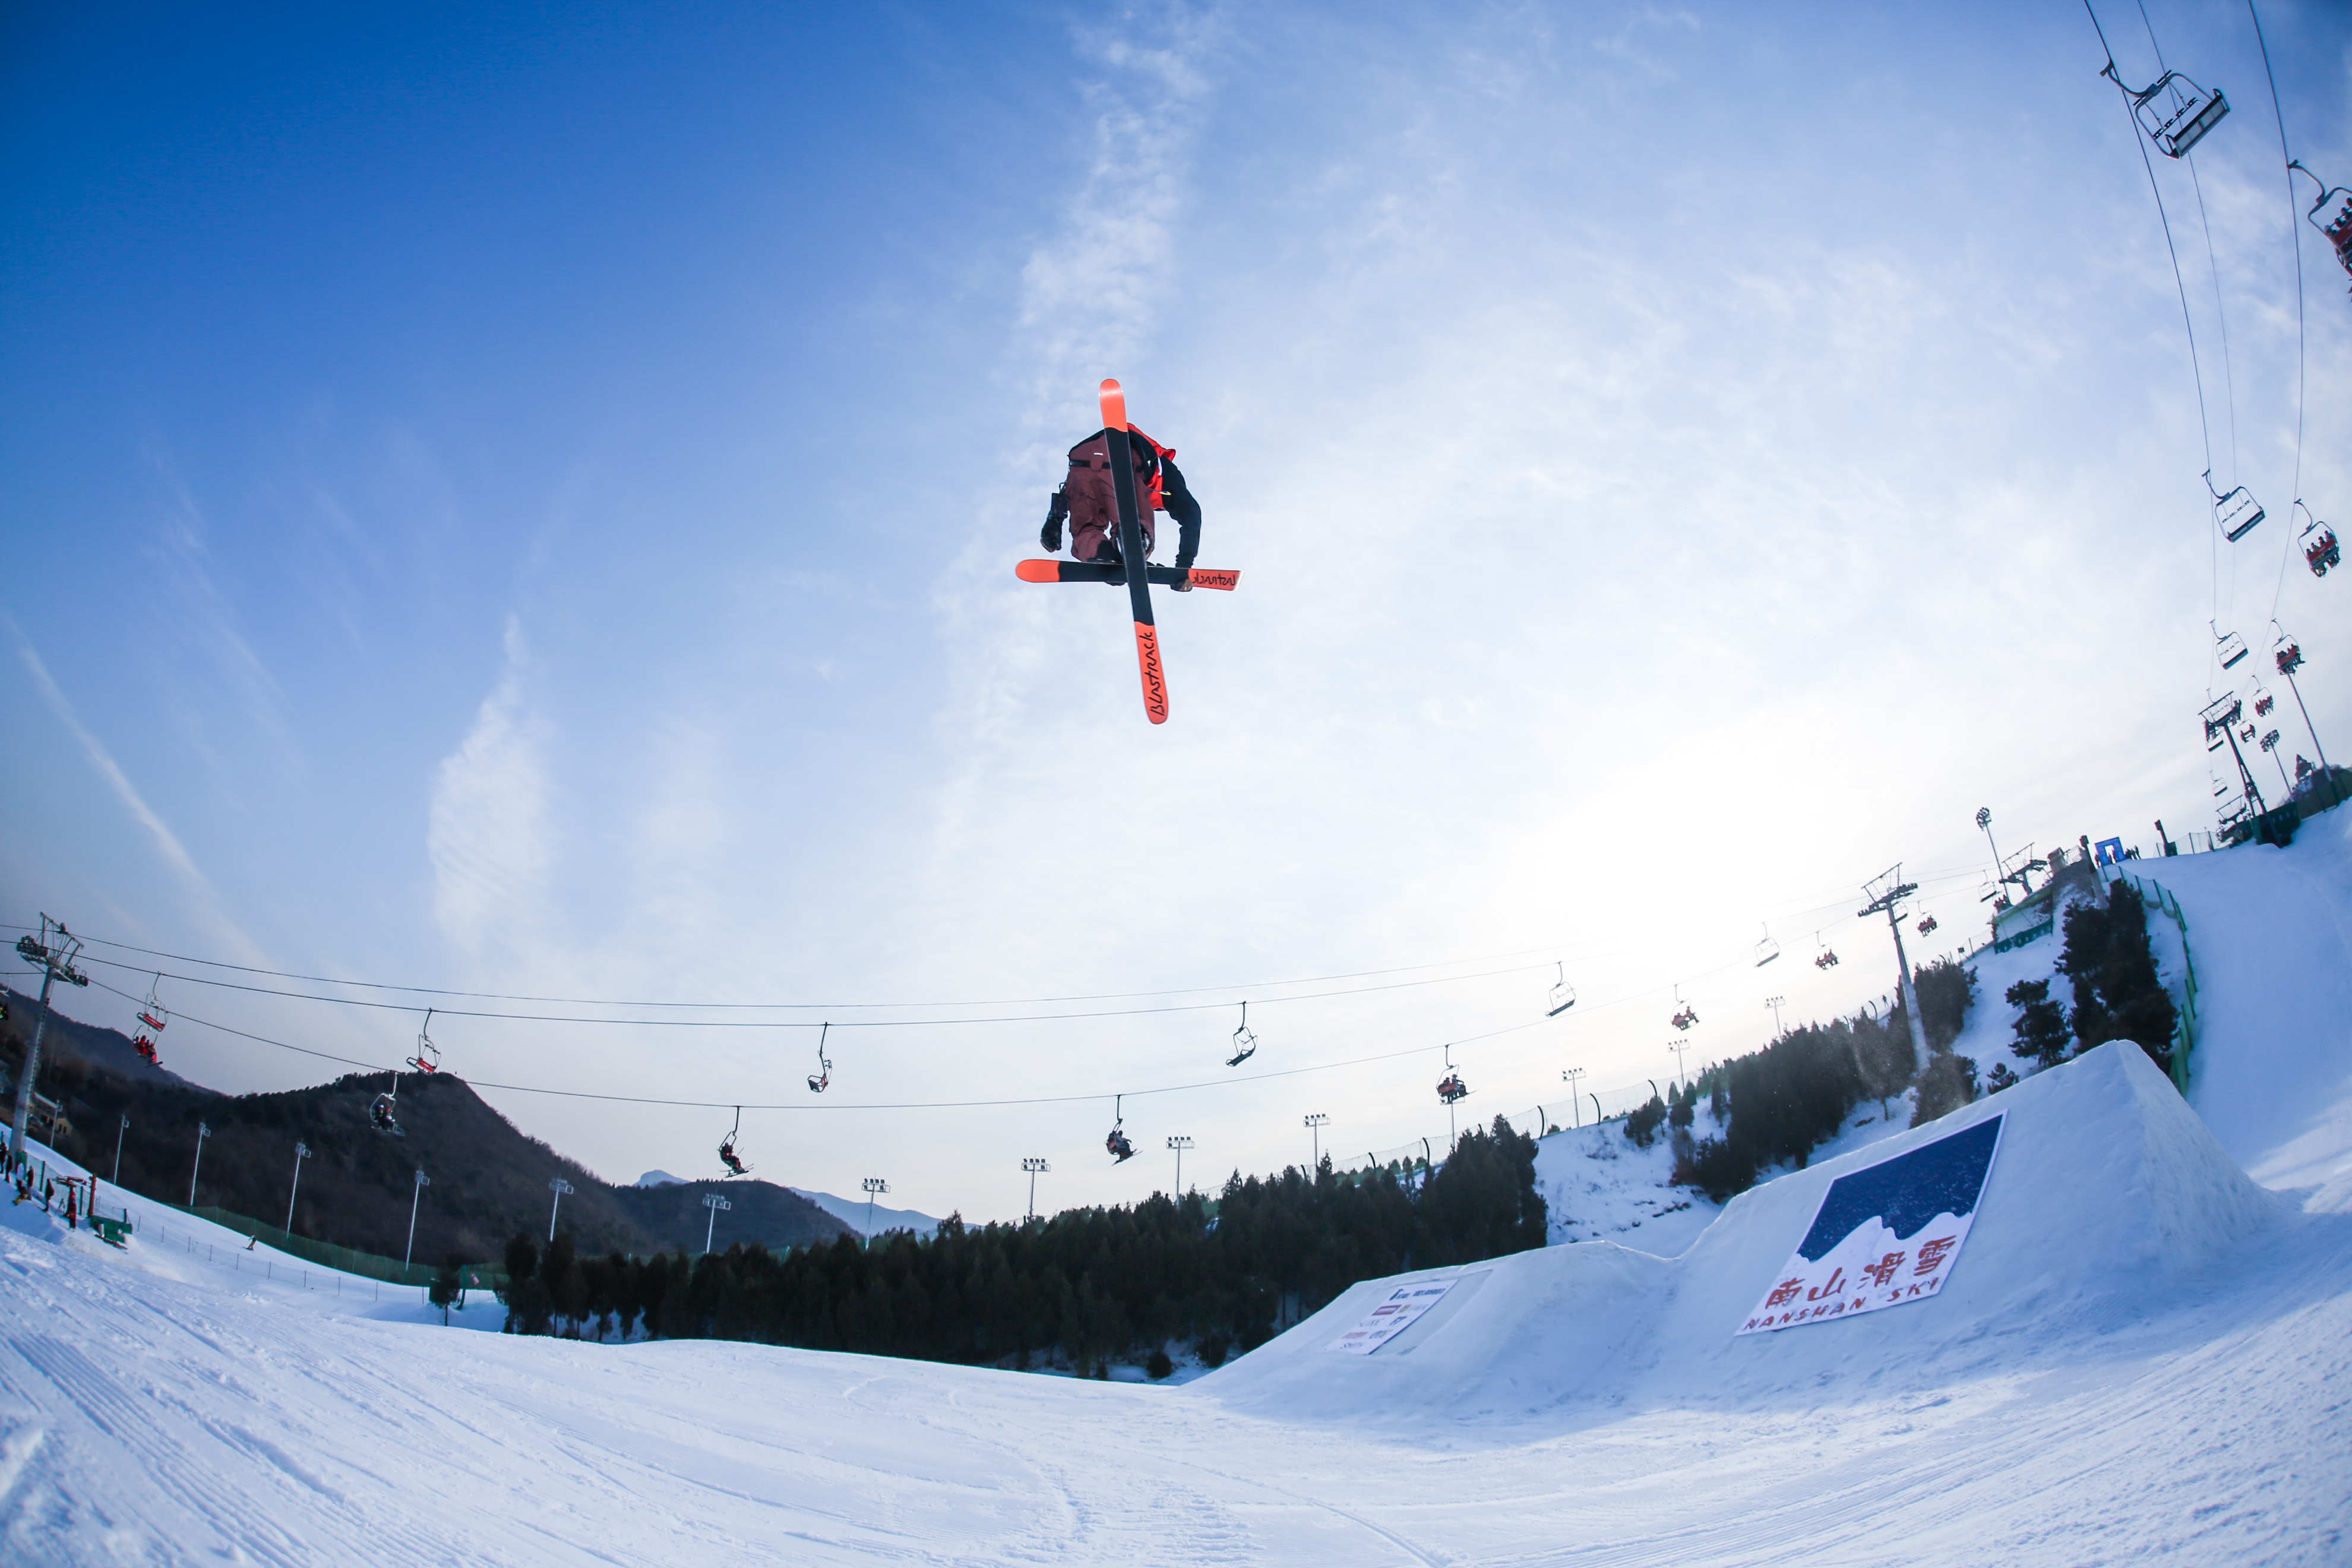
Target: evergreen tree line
2118	995
1083	1288
1783	1102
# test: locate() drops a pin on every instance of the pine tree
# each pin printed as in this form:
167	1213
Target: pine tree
2041	1029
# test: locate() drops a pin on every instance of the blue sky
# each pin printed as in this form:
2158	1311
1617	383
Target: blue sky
523	500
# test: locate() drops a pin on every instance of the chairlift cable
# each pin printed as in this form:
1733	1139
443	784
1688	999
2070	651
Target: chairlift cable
2295	243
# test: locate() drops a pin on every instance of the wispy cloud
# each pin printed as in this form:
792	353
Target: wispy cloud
489	836
166	842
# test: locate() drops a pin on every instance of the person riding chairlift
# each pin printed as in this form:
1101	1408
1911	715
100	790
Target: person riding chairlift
735	1167
1119	1144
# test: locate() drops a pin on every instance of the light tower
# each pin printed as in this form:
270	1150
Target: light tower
423	1182
558	1186
1033	1165
1775	1003
202	1133
302	1152
874	1186
1679	1047
1180	1143
714	1203
1575	1110
1315	1132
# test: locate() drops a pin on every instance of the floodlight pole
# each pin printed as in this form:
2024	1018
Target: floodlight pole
714	1203
1775	1003
2288	669
55	951
1575	1110
1180	1143
302	1152
117	1177
1033	1165
1884	902
1314	1131
558	1186
423	1182
1679	1048
873	1184
202	1133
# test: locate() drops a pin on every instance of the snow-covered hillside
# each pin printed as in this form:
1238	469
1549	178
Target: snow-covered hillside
2142	1354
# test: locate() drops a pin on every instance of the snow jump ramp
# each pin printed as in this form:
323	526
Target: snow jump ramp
2108	1199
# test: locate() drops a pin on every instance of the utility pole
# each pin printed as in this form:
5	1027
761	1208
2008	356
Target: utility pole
1033	1165
1885	893
1180	1143
558	1186
423	1182
1314	1131
873	1184
1575	1111
714	1203
302	1152
202	1133
1775	1003
54	950
117	1177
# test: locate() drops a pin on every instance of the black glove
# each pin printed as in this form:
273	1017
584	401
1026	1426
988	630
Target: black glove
1049	538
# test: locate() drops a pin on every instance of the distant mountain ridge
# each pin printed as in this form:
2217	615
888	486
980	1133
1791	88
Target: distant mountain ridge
485	1179
851	1212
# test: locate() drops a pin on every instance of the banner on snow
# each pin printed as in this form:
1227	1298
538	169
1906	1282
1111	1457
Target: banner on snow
1396	1312
1885	1234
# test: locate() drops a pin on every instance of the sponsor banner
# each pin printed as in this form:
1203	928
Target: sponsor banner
1885	1234
1398	1311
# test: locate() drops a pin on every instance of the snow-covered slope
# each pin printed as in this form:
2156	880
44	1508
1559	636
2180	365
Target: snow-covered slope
2142	1354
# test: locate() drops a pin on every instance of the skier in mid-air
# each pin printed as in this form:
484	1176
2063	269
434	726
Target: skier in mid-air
1089	504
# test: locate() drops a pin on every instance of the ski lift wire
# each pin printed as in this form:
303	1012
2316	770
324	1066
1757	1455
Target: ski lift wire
2294	242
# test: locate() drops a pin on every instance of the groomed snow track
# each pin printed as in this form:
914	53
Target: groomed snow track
2142	1355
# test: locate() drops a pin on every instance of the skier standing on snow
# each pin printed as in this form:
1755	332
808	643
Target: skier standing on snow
1088	500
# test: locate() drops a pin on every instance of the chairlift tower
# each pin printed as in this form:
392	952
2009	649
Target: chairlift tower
54	952
423	1182
2288	655
1568	1077
1315	1132
872	1185
1885	893
558	1186
1180	1143
2221	717
1033	1165
714	1203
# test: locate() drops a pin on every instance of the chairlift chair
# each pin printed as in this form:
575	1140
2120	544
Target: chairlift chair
2235	511
1451	1090
1767	950
1120	1147
383	1114
151	1019
2174	111
427	1059
2288	653
2317	542
1563	995
1827	958
1245	1041
1927	924
726	1155
822	1079
1685	1014
2338	229
2230	650
2263	704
